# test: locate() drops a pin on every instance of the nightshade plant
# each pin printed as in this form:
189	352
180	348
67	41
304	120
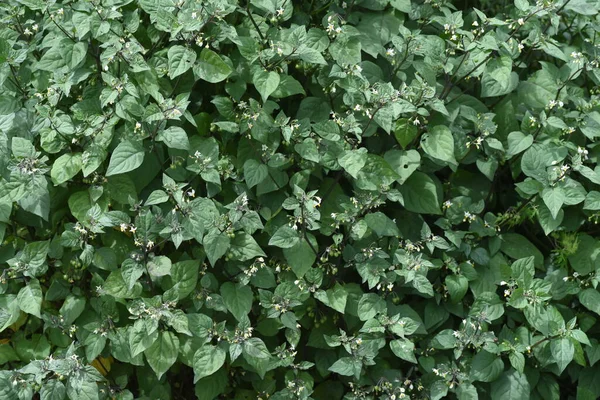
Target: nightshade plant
360	199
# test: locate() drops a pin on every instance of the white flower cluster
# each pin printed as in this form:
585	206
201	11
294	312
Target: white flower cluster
332	29
469	217
554	103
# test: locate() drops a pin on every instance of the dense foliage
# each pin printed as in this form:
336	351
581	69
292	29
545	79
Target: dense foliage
360	199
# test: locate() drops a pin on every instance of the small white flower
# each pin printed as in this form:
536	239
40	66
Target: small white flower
576	55
506	293
575	274
521	21
27	32
194	15
357	107
416	121
132	229
565	279
502	283
338	29
447	204
280	12
191	193
390	52
520	46
150	244
35	27
60	11
475	23
279	51
469	217
330	28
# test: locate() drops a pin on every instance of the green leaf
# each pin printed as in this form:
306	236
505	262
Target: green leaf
497	78
405	132
142	336
30	298
345	50
422	194
212	386
83	390
585	259
353	161
265	82
518	142
285	237
126	157
301	256
347	366
53	389
288	86
207	360
457	286
590	298
175	138
592	201
554	198
511	385
403	162
157	197
254	347
517	360
518	246
180	59
255	172
486	367
335	297
163	353
65	167
244	248
439	144
237	299
562	350
369	305
211	67
9	311
548	223
404	349
216	245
